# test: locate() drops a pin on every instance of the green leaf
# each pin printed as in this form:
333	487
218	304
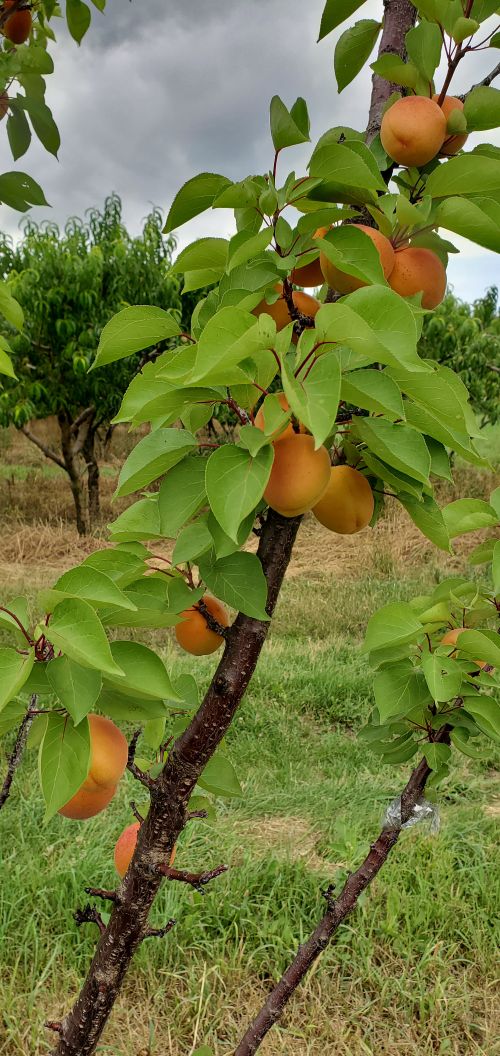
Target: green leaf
154	455
193	540
208	254
18	132
64	760
460	738
477	219
139	521
442	393
14	672
223	544
352	50
392	324
229	337
239	581
431	425
398	688
480	645
394	624
132	330
76	687
78	19
467	174
120	565
315	400
235	483
244	246
6	365
119	707
10	308
145	673
496	568
194	197
352	251
284	130
467	515
77	631
423	44
18	607
20	191
182	492
392	68
374	390
486	714
154	733
482	553
482	109
428	517
342	165
443	677
400	445
437	755
219	777
89	584
43	123
398	482
336	12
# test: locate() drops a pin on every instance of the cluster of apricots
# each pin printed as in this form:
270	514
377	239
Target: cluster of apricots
17	27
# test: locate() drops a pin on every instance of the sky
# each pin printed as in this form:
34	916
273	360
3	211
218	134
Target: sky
159	91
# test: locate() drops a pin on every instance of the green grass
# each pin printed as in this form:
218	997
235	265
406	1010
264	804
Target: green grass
411	972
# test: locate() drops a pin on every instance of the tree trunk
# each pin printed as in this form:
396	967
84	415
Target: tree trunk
89	454
81	1029
71	468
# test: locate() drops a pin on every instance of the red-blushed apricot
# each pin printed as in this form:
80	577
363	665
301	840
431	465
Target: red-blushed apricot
451	638
4	105
17	28
347	505
344	283
125	847
278	311
413	130
310	274
289	431
108	759
419	271
299	475
454	142
194	635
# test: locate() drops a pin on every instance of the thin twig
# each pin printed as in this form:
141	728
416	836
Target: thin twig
101	892
17	752
210	619
140	775
159	933
89	915
196	880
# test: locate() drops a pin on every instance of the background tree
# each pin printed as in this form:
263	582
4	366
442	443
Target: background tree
467	338
69	284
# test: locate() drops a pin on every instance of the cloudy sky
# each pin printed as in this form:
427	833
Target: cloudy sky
163	89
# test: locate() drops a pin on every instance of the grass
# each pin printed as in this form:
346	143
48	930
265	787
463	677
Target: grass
411	971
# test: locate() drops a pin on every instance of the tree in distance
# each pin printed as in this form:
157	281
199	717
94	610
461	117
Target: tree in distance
299	475
419	270
453	143
347	505
344	283
289	430
17	28
451	638
194	635
278	311
108	759
125	847
413	130
310	274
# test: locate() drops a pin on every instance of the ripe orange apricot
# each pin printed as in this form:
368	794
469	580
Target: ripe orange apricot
17	28
125	847
347	504
451	638
299	475
453	143
194	635
413	130
310	274
419	271
289	431
344	283
108	759
279	310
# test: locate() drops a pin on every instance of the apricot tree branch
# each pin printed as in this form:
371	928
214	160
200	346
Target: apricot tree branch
196	880
210	620
485	83
399	17
18	749
89	915
101	892
159	933
140	775
47	451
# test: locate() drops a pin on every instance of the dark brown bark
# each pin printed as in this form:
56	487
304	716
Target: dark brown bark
17	751
399	17
71	467
90	456
82	1027
338	910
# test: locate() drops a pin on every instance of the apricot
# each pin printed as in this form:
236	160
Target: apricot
453	143
344	283
347	504
289	431
419	271
4	105
451	638
108	759
279	310
17	28
310	274
299	475
194	635
413	130
125	847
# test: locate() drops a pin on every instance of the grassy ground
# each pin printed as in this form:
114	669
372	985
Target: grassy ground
412	973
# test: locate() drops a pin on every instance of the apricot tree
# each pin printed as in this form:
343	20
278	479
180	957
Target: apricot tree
354	394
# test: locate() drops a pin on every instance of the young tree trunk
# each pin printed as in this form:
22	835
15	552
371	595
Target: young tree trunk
89	454
71	467
82	1027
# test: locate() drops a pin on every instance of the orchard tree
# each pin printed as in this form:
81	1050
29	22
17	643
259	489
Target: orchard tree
69	285
467	338
358	413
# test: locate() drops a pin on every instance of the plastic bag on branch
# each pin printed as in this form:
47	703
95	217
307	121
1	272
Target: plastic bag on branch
422	811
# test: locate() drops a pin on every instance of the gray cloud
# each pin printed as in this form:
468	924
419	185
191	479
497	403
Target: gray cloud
160	91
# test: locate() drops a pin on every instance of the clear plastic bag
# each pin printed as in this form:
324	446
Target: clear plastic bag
422	811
